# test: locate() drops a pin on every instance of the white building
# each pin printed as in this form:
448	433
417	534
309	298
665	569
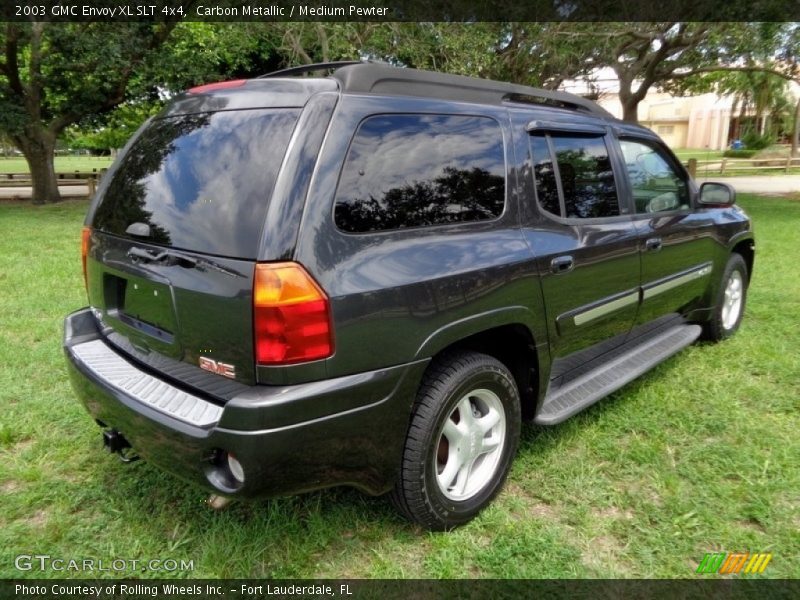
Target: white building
701	121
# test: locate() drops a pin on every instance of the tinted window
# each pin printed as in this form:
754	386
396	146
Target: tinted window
418	170
656	184
200	182
587	180
544	175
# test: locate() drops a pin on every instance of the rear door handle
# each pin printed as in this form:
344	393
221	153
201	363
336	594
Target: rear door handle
653	244
562	264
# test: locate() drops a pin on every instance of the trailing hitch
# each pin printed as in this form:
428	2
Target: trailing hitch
115	442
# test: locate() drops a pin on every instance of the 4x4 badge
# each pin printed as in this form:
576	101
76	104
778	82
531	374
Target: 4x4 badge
220	368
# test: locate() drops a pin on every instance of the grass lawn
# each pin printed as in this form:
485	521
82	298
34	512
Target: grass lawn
699	153
700	455
64	164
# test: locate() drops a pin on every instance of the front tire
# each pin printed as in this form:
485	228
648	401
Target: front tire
463	435
731	299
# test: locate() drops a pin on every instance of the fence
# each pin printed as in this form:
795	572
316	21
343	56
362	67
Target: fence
65	179
721	165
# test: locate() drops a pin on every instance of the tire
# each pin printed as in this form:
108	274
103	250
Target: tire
731	298
463	435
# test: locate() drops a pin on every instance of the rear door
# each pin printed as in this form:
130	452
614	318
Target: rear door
580	229
175	235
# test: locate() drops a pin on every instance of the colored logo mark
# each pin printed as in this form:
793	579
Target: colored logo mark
734	562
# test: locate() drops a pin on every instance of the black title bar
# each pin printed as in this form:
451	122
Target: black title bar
400	10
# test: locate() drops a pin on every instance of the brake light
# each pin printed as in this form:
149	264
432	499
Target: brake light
86	236
219	85
291	315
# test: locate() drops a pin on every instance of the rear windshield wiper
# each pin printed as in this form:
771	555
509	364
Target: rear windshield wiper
171	258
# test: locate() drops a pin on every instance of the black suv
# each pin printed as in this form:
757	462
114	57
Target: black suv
371	278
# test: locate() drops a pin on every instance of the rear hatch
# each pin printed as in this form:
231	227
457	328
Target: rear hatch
175	233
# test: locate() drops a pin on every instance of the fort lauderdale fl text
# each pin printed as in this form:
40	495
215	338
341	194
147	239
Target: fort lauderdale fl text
169	589
298	10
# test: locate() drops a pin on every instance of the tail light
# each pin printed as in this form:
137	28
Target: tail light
86	235
291	315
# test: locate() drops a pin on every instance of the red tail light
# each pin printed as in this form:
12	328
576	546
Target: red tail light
291	315
86	235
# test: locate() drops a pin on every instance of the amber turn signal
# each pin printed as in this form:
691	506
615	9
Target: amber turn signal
86	237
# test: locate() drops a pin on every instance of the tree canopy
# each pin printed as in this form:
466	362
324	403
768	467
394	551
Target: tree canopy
57	75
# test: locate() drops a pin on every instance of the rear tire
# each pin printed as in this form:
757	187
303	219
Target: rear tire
731	298
463	435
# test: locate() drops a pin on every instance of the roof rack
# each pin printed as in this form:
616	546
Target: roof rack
291	71
381	78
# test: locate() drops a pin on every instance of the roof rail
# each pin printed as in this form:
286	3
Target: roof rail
310	68
384	79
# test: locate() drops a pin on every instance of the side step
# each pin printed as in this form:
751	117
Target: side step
587	389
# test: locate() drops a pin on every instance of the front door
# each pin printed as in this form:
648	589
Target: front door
675	241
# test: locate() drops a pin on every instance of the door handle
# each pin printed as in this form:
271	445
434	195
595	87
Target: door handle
653	244
562	264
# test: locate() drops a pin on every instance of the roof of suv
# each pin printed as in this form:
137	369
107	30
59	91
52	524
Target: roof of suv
285	89
372	78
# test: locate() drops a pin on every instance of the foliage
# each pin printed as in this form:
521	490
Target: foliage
54	74
756	141
57	75
540	54
741	153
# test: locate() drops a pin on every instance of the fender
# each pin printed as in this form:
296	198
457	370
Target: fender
463	328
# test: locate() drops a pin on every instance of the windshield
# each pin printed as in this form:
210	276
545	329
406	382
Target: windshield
199	182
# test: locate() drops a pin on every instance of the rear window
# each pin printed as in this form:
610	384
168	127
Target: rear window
200	182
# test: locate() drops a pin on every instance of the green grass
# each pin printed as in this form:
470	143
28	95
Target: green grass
701	454
699	153
63	164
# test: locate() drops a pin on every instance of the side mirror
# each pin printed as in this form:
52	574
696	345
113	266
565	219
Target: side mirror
717	194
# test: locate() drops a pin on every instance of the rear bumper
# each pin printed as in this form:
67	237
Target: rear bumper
344	431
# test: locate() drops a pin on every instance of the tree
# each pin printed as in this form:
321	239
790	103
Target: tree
53	74
537	54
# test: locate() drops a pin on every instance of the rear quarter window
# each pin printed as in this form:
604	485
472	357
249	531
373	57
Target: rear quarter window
421	170
201	181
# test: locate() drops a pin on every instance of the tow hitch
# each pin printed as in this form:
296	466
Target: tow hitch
115	442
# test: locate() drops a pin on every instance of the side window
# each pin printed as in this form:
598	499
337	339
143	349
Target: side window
656	185
582	183
421	170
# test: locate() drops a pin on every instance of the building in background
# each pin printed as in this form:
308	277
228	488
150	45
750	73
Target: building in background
702	121
682	122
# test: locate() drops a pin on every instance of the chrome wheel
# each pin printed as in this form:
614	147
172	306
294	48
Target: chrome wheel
732	301
470	445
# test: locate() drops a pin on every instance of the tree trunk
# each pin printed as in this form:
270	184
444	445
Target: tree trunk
628	98
630	110
38	146
796	131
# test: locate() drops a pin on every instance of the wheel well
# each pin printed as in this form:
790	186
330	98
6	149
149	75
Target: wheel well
747	249
513	346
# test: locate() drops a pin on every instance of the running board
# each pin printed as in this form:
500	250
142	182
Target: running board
562	403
